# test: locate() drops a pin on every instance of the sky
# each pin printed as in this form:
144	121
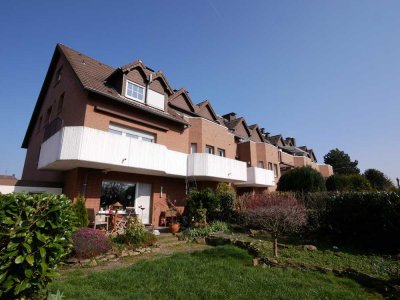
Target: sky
324	72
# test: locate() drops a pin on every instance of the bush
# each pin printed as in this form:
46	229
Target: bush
304	179
378	180
368	219
35	236
82	219
136	234
226	197
202	199
215	226
89	242
353	182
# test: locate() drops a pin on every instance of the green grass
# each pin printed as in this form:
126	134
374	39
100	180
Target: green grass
378	266
218	273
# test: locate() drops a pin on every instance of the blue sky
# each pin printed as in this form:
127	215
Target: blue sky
324	72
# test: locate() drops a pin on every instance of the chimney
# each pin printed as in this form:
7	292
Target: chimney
230	117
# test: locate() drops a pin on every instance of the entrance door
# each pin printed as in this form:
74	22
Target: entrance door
143	202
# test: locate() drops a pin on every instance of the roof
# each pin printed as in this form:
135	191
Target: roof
93	75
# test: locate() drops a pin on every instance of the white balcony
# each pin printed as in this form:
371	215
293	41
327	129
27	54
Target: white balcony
258	177
73	147
204	166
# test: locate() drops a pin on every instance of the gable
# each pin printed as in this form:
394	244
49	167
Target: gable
241	130
206	112
182	102
256	135
159	86
136	75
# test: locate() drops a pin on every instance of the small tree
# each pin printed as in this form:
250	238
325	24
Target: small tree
341	162
226	196
304	179
205	198
275	213
82	219
378	180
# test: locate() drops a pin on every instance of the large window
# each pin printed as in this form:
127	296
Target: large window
132	133
116	191
134	91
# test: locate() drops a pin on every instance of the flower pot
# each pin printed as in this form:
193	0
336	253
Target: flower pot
174	227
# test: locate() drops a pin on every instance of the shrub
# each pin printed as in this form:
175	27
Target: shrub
378	180
304	179
89	242
35	235
367	219
202	199
82	219
226	197
353	182
275	213
136	234
215	226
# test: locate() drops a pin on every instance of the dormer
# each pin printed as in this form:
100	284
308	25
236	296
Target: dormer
138	83
181	101
256	134
205	110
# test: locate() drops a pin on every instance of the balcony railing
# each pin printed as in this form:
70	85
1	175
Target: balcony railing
258	177
73	147
213	167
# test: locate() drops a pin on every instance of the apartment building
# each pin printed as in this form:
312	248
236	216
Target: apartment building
124	134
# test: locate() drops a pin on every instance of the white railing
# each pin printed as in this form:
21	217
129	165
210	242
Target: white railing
213	167
258	177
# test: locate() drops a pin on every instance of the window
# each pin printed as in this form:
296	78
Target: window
280	155
193	148
131	133
275	170
134	91
260	164
209	149
221	152
114	191
60	103
270	166
48	114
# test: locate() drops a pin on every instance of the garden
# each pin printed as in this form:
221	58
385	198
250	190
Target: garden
280	245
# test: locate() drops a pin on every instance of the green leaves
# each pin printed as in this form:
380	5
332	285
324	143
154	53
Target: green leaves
35	234
19	260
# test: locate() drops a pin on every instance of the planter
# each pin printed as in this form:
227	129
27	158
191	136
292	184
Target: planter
174	227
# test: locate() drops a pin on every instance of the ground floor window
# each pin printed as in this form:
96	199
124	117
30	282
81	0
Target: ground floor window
116	191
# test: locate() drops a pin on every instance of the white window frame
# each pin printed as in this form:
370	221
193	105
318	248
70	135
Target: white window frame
132	133
131	97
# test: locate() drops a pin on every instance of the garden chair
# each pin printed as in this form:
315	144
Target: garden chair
96	220
120	223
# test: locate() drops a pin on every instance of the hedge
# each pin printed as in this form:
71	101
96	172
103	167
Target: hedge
35	235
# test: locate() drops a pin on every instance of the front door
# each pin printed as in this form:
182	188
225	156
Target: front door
143	202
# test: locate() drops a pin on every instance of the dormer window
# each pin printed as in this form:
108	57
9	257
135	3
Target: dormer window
134	91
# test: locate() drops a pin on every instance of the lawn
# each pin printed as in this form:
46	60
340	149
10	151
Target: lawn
378	266
218	273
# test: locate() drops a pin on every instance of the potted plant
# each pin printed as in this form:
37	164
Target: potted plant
174	225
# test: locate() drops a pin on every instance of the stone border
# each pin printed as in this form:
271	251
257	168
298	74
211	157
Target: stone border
111	256
387	288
